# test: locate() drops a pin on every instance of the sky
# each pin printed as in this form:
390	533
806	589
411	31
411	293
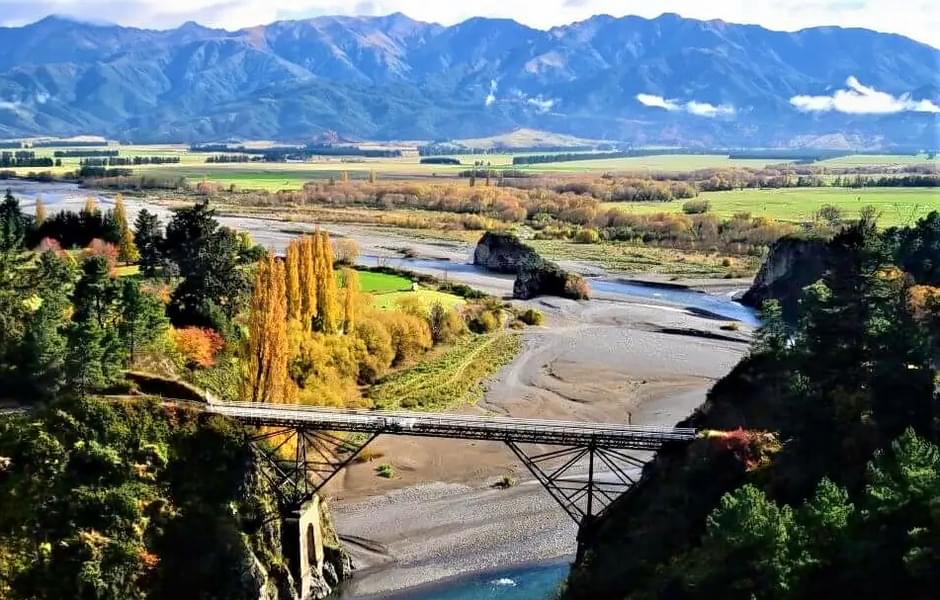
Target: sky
918	19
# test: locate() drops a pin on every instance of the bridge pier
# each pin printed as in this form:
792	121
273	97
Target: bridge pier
302	547
584	491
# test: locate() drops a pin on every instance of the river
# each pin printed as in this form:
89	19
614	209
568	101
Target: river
539	581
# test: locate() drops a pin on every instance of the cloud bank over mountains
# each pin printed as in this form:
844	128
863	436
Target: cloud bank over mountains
860	99
668	80
693	107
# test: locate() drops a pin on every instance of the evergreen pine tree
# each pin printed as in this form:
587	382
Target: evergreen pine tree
148	238
12	223
142	318
44	342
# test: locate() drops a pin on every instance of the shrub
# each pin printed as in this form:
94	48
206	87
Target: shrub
346	251
368	455
485	322
410	335
198	345
385	470
696	207
505	482
98	247
379	351
587	236
531	316
47	244
446	325
412	305
832	215
576	287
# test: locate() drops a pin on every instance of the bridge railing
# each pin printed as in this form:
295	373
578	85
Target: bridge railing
539	431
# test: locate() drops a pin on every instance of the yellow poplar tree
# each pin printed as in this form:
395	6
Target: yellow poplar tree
40	211
127	249
326	285
91	205
266	377
308	282
350	298
293	269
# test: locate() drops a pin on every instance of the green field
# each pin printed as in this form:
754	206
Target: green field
382	283
897	206
427	297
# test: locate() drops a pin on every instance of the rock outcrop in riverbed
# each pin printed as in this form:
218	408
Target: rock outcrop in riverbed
535	276
791	265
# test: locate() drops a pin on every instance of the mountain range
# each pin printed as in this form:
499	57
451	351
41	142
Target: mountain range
668	80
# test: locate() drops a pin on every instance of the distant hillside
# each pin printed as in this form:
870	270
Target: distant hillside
667	80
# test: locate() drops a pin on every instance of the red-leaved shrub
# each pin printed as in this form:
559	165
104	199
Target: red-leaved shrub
199	345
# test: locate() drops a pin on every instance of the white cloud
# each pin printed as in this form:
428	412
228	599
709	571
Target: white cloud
693	107
859	99
704	109
915	18
541	104
13	106
657	102
491	97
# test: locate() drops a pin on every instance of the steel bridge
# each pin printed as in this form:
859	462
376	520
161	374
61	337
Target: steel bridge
305	447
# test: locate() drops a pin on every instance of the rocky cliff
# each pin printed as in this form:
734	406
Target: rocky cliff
791	265
535	276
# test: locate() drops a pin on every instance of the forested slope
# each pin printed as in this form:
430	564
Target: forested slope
819	473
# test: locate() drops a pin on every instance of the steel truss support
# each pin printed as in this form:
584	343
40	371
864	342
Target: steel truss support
299	461
584	480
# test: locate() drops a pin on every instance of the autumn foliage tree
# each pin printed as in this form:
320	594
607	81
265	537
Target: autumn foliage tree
127	249
267	353
40	212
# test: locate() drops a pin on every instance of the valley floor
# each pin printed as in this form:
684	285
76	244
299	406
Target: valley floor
440	517
614	358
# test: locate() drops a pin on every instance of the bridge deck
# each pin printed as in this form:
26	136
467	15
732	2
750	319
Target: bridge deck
471	427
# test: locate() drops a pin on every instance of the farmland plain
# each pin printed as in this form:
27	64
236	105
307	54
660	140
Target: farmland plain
896	206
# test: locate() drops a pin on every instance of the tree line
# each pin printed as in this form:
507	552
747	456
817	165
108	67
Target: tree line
115	161
26	158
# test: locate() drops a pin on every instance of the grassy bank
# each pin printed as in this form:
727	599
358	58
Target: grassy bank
452	378
632	258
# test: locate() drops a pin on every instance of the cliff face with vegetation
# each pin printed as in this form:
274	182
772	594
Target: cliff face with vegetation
139	500
505	253
818	464
792	264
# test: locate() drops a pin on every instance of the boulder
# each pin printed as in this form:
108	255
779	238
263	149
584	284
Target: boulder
502	252
505	253
540	277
